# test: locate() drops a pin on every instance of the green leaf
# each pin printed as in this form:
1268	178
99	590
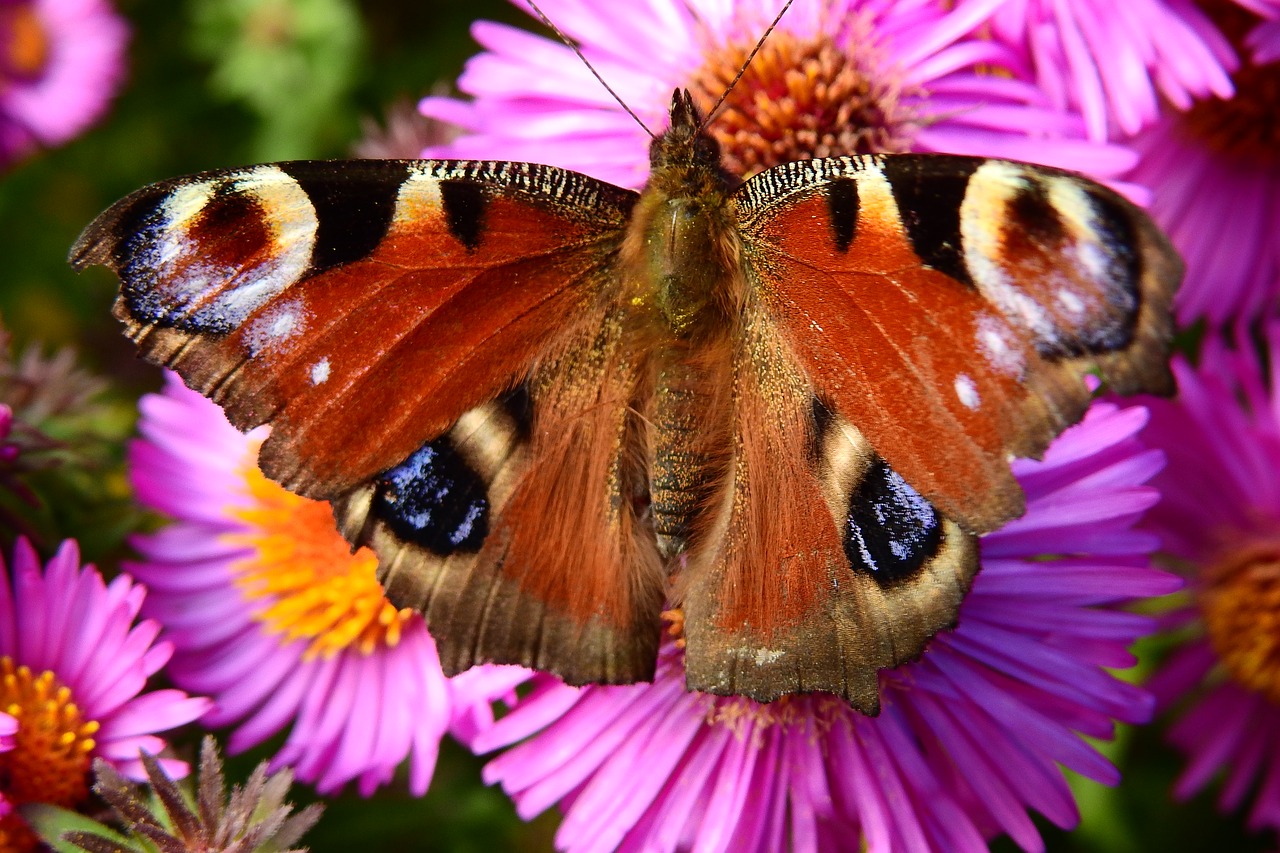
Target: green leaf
52	822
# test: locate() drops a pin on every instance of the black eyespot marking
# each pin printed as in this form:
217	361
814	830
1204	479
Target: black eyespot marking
354	206
892	530
1118	275
136	223
1119	238
842	206
464	207
228	231
929	195
434	499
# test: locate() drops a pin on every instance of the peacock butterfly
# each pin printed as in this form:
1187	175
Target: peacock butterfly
551	405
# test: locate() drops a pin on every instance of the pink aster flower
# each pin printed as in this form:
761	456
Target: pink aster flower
1215	173
970	739
1114	61
61	61
1219	518
73	665
271	614
837	77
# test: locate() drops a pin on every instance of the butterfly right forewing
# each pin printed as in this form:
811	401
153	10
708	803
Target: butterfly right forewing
951	307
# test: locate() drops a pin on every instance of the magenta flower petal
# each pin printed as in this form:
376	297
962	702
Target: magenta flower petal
1114	61
74	663
8	730
1222	437
953	90
1217	162
356	705
971	737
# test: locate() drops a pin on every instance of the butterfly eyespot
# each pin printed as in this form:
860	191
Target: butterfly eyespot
891	529
434	499
205	256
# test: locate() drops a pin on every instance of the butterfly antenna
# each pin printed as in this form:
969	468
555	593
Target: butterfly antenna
574	47
746	64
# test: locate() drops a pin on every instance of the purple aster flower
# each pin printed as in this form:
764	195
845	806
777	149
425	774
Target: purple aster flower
73	664
970	737
839	77
1222	437
1217	163
61	61
272	615
1113	61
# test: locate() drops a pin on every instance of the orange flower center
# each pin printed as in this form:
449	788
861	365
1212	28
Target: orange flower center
813	714
50	759
26	45
1247	126
1241	607
310	584
804	98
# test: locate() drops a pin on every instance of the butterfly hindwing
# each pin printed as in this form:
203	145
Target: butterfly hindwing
550	564
824	566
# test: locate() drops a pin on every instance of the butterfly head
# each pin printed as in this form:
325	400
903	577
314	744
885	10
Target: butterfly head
685	147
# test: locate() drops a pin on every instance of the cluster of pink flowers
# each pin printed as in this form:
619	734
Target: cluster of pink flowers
61	62
250	599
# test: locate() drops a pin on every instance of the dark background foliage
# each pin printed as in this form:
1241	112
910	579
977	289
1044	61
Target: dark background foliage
216	83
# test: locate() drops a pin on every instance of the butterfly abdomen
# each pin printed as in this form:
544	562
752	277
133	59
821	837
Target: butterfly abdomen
691	438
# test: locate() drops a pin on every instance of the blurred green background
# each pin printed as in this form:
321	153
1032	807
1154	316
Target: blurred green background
216	83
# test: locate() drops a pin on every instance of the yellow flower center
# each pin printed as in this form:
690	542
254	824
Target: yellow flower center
1241	607
1247	126
804	98
26	45
50	759
303	571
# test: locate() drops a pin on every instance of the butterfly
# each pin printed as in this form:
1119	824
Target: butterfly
782	408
